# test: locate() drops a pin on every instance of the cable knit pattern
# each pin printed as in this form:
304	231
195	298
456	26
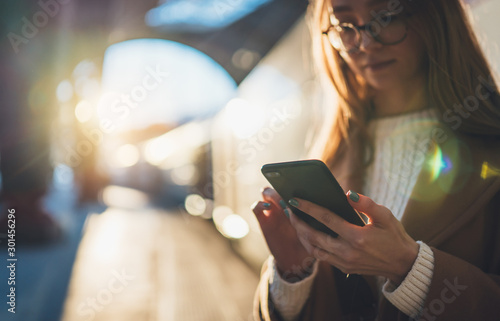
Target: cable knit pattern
289	298
401	143
409	296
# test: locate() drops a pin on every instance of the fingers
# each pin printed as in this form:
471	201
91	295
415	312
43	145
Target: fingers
259	207
335	251
323	215
304	231
312	239
367	206
270	195
269	212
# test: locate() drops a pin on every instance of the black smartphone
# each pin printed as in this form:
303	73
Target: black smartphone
311	180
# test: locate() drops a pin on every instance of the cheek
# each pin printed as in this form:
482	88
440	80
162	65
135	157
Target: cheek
351	63
414	51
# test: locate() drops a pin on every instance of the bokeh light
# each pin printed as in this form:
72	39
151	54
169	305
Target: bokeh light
234	226
195	205
84	111
64	91
126	156
124	197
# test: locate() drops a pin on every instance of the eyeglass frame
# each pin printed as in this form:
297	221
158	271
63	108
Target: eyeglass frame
358	29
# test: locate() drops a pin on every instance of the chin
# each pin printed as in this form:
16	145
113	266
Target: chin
381	84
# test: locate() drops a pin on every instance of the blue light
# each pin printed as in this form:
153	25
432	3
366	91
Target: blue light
200	15
446	165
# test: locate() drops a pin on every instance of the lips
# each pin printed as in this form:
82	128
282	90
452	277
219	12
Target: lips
377	65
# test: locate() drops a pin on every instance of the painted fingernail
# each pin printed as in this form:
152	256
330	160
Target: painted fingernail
287	213
282	204
266	205
353	196
293	202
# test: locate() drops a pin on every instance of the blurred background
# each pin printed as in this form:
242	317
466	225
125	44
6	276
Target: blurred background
132	136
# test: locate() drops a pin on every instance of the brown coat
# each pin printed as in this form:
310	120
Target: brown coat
457	213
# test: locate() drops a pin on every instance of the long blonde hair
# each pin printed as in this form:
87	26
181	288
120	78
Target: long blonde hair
456	68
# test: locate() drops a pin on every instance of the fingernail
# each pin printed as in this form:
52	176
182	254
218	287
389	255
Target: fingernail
353	196
293	202
266	205
287	213
282	204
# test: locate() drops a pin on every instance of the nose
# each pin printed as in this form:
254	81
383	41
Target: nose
367	43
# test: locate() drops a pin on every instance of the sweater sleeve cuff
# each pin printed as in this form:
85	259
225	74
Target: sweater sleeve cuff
289	298
409	297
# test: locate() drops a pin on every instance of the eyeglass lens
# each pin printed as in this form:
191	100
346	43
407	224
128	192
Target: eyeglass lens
386	29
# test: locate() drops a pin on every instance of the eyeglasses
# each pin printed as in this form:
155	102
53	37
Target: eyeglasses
389	28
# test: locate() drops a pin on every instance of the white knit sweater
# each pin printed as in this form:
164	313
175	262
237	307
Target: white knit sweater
401	144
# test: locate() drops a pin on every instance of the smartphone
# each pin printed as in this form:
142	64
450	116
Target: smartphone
311	180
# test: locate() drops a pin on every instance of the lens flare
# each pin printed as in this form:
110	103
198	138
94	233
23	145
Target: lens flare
488	171
440	164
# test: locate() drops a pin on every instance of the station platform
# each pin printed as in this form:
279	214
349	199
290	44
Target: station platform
129	263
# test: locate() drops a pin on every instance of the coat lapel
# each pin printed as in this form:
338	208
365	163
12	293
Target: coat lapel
451	187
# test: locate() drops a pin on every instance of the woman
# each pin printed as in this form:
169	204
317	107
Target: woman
417	130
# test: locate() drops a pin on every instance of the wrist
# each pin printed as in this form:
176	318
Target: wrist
294	272
405	264
410	296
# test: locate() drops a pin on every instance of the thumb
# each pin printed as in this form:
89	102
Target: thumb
258	209
367	206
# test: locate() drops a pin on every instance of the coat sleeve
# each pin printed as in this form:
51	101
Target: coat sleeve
461	291
324	302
